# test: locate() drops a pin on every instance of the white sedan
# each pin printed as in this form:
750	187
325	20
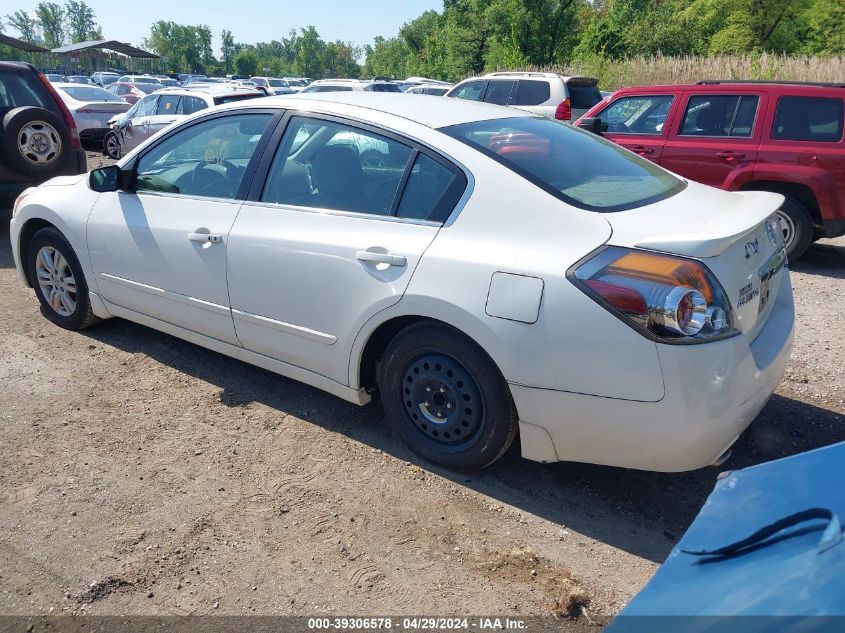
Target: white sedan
500	274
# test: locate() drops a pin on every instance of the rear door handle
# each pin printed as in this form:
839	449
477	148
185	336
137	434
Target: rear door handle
642	149
206	238
730	154
371	257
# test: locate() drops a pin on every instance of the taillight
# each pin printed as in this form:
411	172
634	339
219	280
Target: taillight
564	110
68	117
673	299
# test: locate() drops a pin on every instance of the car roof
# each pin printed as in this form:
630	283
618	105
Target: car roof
210	90
431	111
723	86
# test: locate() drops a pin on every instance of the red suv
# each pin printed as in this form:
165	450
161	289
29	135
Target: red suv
743	135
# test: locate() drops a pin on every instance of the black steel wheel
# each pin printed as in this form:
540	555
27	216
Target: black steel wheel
446	397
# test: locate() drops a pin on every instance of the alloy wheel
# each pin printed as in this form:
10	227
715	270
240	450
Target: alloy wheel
56	281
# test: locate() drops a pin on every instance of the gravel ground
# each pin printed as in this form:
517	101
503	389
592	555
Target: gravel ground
144	475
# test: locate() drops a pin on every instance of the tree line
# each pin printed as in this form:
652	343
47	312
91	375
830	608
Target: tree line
473	36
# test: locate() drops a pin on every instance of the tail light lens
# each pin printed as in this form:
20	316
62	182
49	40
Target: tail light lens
68	117
669	298
563	112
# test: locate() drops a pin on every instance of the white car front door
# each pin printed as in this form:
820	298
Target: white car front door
159	248
332	239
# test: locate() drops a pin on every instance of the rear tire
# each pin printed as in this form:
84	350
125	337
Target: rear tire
796	224
59	281
35	142
111	146
446	398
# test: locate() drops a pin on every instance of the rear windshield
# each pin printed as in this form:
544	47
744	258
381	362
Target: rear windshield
17	91
148	88
145	80
233	98
583	95
575	166
383	88
90	93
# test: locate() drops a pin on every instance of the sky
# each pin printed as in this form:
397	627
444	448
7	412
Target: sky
250	21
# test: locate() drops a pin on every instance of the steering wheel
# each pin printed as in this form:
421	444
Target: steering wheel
211	177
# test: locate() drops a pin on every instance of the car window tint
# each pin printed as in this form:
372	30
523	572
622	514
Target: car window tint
168	104
637	115
582	96
573	165
471	90
499	91
194	104
382	88
206	159
808	119
16	91
531	92
720	115
432	190
336	167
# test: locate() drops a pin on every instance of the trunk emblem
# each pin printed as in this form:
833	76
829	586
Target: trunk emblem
752	248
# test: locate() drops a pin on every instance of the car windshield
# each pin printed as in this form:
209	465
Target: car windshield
383	88
277	83
148	88
90	93
575	166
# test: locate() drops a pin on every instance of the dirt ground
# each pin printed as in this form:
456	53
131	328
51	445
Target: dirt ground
140	474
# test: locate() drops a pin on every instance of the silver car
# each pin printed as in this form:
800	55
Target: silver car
155	112
92	107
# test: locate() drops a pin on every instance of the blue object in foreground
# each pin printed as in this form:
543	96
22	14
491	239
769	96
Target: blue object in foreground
765	553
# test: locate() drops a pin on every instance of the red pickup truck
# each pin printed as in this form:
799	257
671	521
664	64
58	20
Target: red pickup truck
743	135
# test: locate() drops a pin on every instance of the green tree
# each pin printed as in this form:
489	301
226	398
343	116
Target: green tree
227	49
309	53
826	30
23	24
51	17
81	22
246	63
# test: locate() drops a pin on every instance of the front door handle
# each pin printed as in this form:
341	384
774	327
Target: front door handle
206	238
730	154
642	149
372	257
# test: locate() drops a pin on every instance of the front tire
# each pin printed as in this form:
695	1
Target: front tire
59	281
446	398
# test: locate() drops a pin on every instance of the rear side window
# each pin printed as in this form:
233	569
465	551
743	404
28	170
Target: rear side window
583	95
471	90
499	91
432	191
168	104
637	115
808	119
382	88
575	166
16	91
531	92
720	115
193	104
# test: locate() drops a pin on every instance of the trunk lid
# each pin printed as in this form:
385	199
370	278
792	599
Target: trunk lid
725	231
102	107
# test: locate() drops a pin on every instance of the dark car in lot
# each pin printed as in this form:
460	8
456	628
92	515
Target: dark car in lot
784	137
38	136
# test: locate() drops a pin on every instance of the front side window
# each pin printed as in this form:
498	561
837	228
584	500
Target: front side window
575	166
337	166
382	88
147	106
637	115
472	90
206	159
499	91
816	119
720	116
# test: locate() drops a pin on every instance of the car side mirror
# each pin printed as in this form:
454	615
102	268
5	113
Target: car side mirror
110	178
592	124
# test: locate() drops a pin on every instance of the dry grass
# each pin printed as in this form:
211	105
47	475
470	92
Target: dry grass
643	71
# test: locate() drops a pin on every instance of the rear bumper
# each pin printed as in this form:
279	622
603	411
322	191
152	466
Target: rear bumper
713	392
